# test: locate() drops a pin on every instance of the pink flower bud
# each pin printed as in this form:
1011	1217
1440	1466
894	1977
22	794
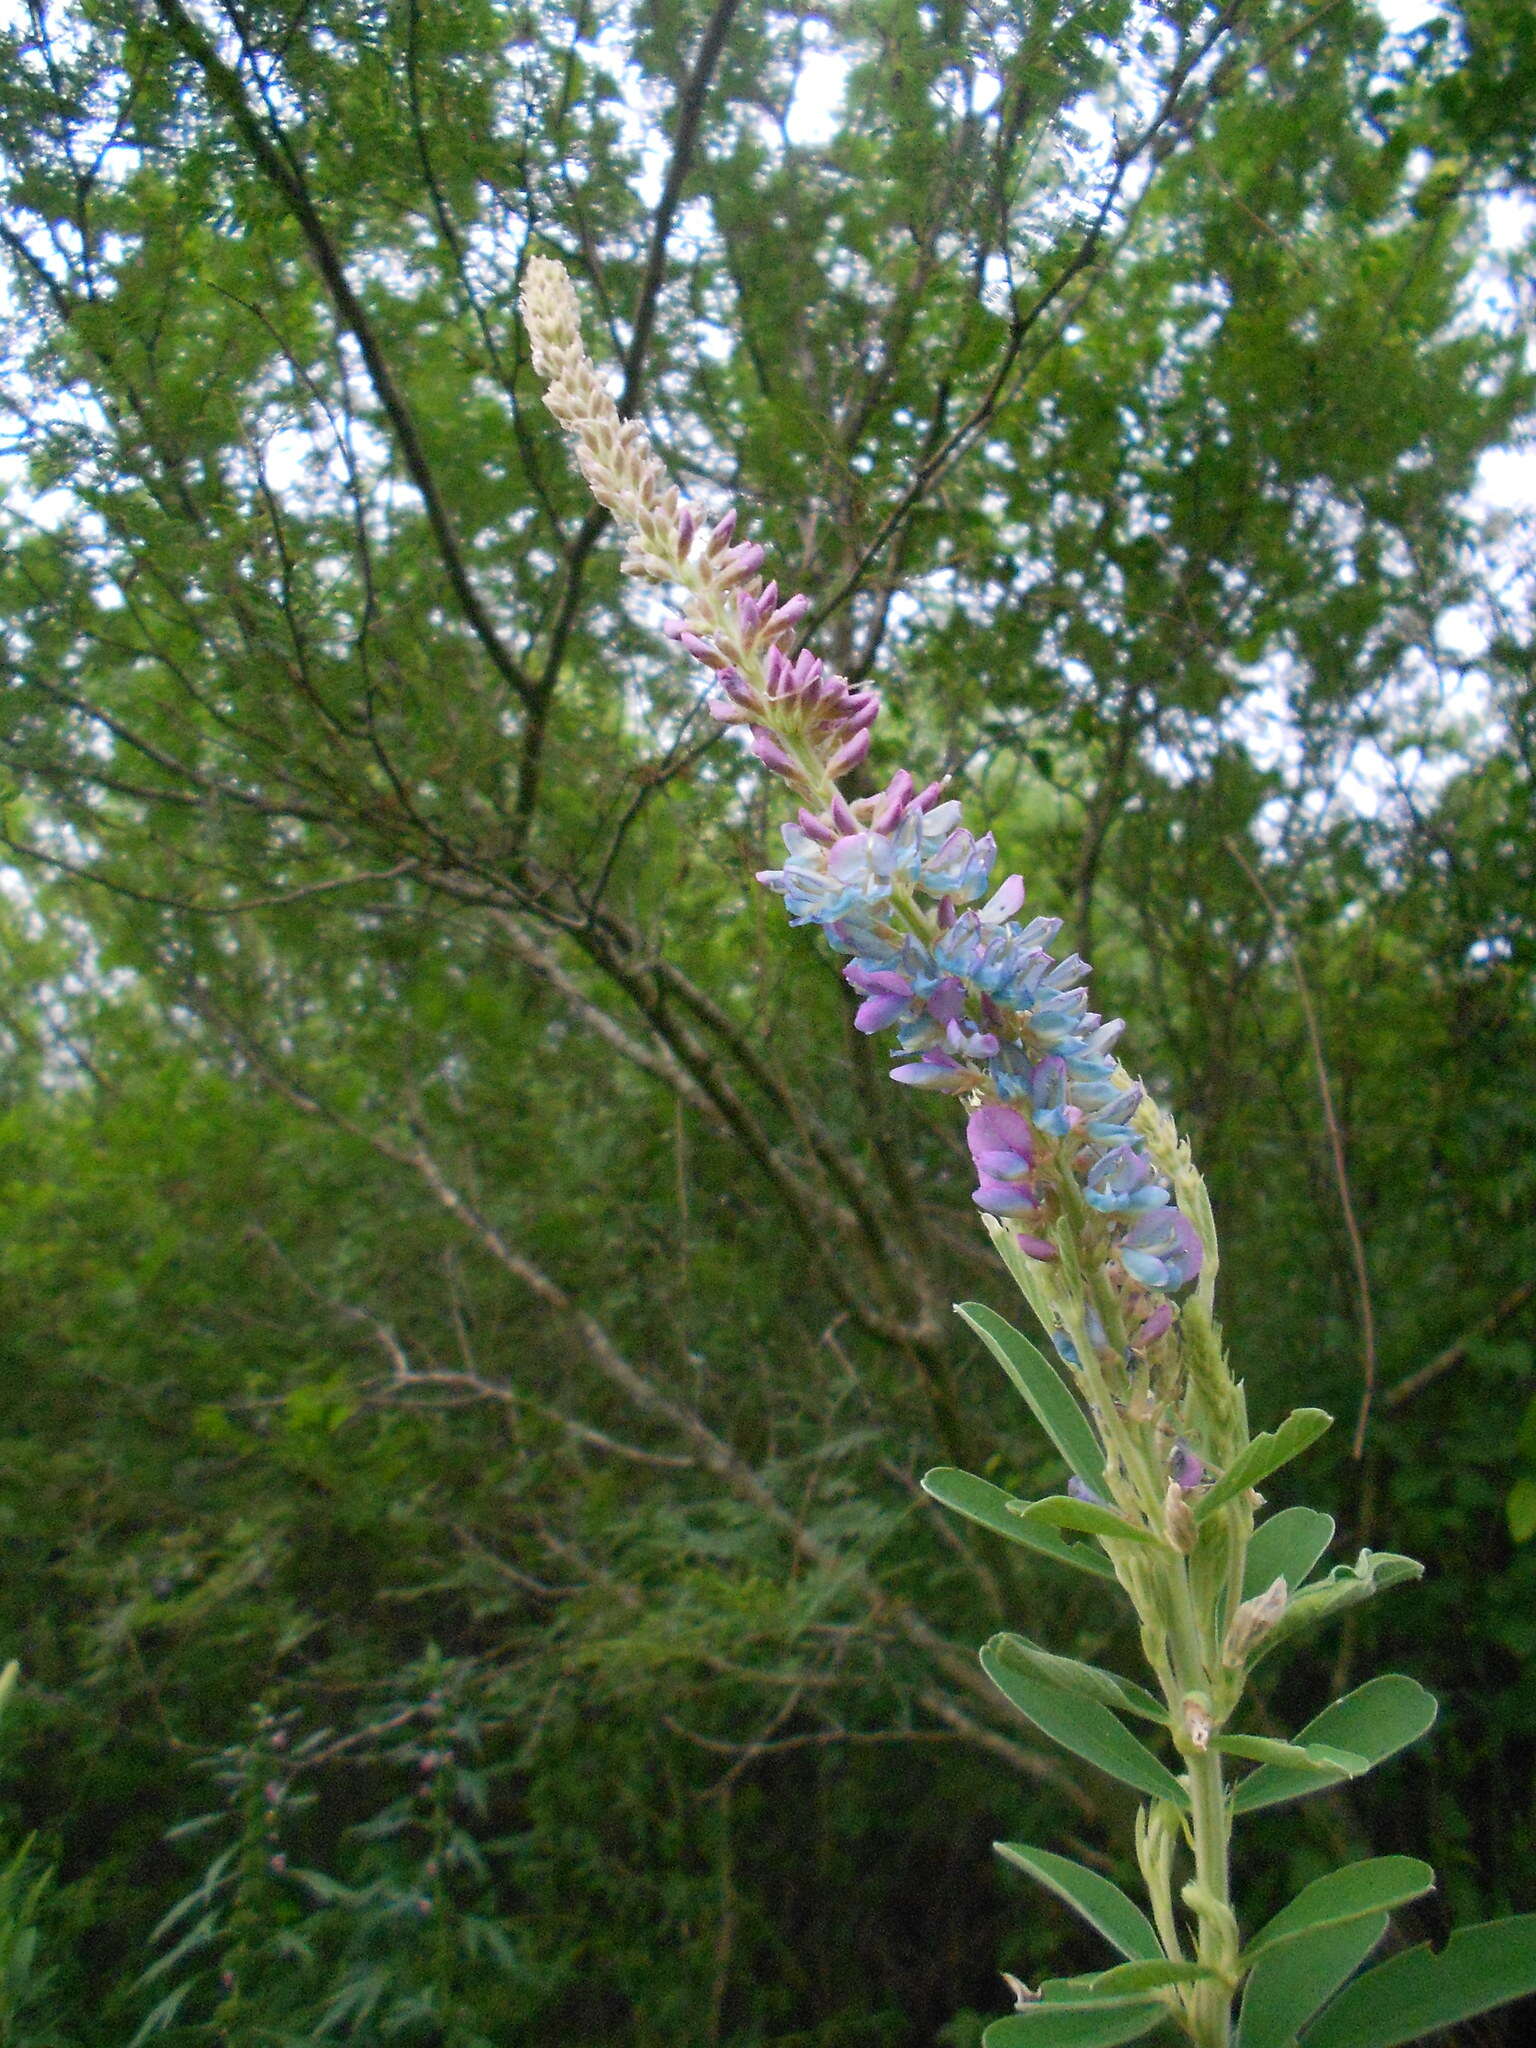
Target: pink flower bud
849	755
700	649
720	538
888	817
790	613
739	564
769	751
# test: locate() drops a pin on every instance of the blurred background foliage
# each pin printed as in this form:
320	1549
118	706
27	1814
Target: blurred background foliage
473	1315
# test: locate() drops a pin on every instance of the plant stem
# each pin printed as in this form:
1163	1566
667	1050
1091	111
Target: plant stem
1211	2006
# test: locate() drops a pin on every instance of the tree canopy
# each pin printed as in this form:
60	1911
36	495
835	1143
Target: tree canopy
474	1312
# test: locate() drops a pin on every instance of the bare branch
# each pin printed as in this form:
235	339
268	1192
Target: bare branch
278	164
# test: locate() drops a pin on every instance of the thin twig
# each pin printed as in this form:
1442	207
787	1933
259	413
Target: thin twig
1453	1354
1336	1146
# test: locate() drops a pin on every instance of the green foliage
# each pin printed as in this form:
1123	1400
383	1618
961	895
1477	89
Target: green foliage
1291	1982
1102	1904
1082	1725
1285	1546
1416	1993
1363	1728
993	1508
28	2001
1266	1454
1353	1893
1051	1402
1095	2023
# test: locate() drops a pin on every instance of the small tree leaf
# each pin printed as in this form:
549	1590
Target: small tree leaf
1092	2025
1054	1405
163	2017
1266	1454
1102	1904
1415	1993
1298	1978
1520	1510
1359	1889
1080	1725
1375	1721
1061	1511
989	1506
1119	1694
1285	1546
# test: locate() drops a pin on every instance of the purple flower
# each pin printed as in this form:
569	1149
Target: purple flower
887	996
1081	1490
1153	1326
1003	1148
938	1071
964	1038
1185	1469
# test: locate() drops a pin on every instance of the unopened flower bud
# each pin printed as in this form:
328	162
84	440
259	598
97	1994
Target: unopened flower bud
1252	1622
1178	1522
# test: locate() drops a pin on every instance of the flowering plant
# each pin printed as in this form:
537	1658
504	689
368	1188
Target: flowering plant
1097	1210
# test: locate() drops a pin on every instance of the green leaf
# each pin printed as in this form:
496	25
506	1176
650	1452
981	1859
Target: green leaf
1311	1757
1264	1455
1298	1978
991	1507
1285	1546
1053	1403
1152	1975
1375	1886
1374	1722
1074	2026
1345	1586
1413	1994
1520	1510
1119	1694
1080	1725
1061	1511
1102	1904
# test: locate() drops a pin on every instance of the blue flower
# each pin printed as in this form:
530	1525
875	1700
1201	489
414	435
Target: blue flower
1121	1184
1162	1250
